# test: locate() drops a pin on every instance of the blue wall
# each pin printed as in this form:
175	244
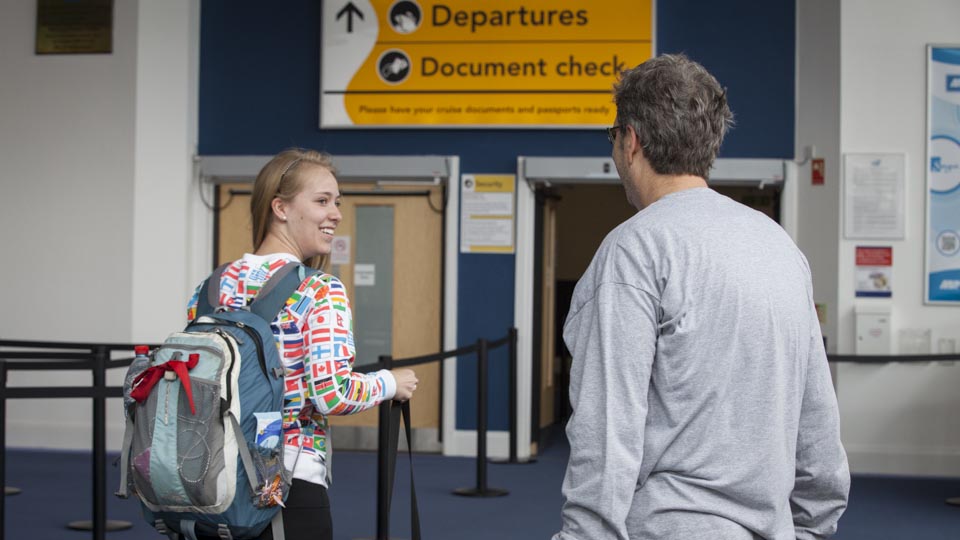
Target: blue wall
259	94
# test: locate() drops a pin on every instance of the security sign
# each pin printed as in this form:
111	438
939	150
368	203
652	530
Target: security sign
463	63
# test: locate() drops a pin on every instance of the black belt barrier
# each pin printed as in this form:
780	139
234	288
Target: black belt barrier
23	355
53	356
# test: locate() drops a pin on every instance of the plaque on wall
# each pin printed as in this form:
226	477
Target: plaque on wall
74	26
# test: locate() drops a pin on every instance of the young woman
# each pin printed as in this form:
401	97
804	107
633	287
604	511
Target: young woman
295	212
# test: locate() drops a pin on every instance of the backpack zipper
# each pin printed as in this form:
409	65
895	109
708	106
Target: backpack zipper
189	347
224	406
259	345
257	342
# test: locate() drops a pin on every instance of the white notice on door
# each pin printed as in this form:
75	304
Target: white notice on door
364	275
340	254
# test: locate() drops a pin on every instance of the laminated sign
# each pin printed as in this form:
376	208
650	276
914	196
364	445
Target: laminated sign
943	176
461	63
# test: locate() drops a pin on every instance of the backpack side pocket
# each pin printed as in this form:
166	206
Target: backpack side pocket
200	445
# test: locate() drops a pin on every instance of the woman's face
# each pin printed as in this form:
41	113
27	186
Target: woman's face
313	214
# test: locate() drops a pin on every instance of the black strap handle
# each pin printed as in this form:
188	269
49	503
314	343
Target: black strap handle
400	411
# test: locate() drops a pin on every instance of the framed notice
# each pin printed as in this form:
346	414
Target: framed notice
486	213
74	26
873	196
469	64
942	268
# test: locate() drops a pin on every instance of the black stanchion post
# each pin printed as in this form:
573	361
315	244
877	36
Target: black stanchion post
512	384
7	490
99	444
482	416
100	525
387	434
512	377
383	464
3	439
481	489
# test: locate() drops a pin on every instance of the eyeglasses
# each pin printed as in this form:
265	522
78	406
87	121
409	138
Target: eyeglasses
612	132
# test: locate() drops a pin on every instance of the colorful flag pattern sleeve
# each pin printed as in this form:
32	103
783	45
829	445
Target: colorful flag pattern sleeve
332	385
192	304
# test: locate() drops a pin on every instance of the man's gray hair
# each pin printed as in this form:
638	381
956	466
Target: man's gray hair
678	110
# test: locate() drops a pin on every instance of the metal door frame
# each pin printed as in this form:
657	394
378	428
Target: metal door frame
533	170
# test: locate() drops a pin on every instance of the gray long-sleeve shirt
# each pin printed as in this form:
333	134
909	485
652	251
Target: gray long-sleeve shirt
702	401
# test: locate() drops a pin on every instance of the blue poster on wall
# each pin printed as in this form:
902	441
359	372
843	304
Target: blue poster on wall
943	175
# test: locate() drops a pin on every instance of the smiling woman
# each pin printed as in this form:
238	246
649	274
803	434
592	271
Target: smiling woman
300	183
295	212
304	224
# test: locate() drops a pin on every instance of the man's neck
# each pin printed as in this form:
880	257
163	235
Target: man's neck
661	185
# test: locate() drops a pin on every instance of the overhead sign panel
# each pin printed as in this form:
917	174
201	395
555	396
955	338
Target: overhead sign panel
462	63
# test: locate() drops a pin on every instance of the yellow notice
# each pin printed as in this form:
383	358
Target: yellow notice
486	213
461	63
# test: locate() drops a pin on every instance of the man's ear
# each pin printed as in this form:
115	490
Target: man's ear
631	142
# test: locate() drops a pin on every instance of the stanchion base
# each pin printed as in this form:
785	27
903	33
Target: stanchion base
954	501
87	525
7	490
475	492
499	461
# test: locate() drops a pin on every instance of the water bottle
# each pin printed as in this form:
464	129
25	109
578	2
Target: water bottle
141	361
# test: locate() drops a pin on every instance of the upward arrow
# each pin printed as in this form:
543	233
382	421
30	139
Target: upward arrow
349	10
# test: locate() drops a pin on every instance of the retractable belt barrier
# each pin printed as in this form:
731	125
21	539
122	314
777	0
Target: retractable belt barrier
97	358
46	356
385	461
889	359
22	355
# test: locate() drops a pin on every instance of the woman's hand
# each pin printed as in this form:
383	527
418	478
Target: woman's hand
406	383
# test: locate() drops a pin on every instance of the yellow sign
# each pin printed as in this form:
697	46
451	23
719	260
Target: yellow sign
486	213
462	63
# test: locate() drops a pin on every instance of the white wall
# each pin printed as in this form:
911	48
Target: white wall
818	130
896	418
96	197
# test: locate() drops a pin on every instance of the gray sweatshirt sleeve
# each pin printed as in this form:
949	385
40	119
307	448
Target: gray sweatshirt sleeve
822	481
612	337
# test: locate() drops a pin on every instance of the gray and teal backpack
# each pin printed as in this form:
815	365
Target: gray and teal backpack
203	446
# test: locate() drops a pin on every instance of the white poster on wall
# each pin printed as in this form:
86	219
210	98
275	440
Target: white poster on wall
942	275
340	252
873	196
486	213
874	276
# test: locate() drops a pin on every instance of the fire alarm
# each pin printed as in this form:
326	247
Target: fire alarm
817	168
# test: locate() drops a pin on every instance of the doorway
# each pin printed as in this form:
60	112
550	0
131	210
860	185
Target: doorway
573	203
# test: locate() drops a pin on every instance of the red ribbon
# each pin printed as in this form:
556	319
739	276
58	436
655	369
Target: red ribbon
145	382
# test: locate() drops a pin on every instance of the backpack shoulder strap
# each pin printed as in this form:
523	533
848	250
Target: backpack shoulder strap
275	292
210	292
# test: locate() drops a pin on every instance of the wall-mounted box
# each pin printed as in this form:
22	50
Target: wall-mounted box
873	330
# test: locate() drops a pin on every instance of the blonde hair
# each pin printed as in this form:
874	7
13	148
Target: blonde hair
280	178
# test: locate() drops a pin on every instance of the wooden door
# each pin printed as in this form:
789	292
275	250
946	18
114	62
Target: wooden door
417	275
548	354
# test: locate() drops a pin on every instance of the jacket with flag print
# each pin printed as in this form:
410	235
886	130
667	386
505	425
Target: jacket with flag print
314	335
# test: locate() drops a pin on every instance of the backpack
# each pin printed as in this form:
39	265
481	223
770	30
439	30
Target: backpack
203	446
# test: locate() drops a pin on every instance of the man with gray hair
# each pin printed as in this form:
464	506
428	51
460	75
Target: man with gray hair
702	401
